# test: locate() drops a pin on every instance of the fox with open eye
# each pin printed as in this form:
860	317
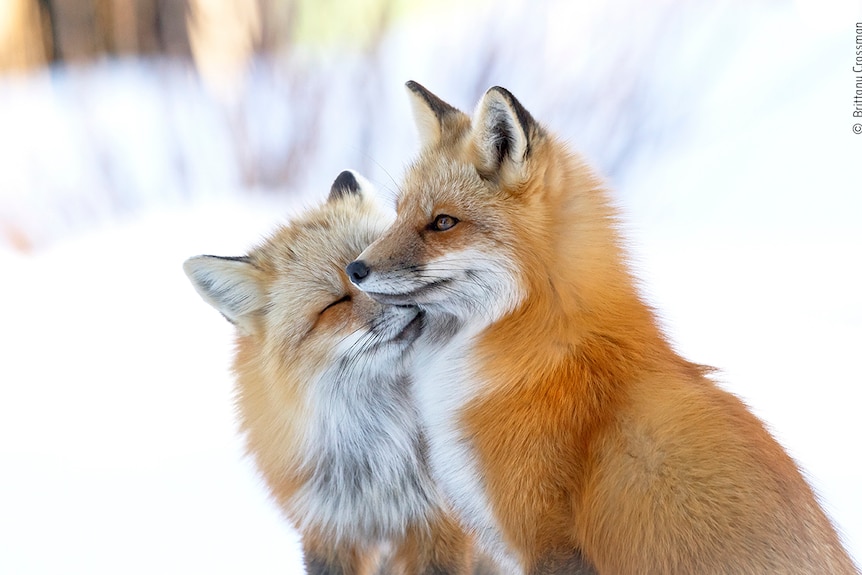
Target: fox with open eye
564	428
323	397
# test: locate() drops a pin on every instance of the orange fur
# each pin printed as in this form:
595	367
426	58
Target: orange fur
293	308
593	436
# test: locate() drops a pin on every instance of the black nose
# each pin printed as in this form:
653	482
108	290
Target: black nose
357	271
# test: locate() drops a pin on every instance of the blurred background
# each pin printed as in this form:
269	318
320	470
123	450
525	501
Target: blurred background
136	133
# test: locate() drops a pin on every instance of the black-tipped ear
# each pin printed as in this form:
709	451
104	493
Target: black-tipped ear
344	185
502	130
351	183
429	112
231	285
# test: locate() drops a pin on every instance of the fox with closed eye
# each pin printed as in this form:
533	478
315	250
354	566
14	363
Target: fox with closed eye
322	395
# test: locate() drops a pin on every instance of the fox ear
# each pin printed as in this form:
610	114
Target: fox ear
430	112
345	184
231	285
349	183
502	132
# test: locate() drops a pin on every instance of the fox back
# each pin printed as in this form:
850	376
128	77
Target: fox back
322	392
562	425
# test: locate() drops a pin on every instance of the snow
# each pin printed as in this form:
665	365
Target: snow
739	184
119	452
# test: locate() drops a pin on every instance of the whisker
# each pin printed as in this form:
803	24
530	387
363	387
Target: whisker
393	193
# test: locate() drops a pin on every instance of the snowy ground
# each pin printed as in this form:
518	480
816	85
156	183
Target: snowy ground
118	451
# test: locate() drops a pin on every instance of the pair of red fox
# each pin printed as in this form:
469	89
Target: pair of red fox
477	386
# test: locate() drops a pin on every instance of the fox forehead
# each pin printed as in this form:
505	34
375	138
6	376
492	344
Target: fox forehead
435	183
303	262
328	239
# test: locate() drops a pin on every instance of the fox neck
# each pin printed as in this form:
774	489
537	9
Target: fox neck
341	454
561	362
580	305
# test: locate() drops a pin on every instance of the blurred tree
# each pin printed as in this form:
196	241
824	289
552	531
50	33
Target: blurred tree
224	35
21	45
35	32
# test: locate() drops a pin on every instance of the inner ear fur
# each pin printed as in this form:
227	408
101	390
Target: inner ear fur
232	285
434	118
503	133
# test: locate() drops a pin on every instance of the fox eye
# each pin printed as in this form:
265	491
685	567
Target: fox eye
443	222
335	303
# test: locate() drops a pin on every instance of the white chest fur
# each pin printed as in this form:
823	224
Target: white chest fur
444	381
368	478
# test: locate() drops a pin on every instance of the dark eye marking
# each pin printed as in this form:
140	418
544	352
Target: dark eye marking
335	303
442	223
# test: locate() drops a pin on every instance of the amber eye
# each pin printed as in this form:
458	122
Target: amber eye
335	303
443	222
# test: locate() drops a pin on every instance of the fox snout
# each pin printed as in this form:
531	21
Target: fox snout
357	271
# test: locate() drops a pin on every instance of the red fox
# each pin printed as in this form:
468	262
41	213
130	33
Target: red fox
323	398
562	425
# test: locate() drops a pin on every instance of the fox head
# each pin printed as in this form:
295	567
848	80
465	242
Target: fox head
295	311
495	211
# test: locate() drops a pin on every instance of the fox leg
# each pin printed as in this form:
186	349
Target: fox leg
569	562
320	560
445	550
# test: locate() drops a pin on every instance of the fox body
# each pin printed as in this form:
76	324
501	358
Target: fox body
563	427
322	394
